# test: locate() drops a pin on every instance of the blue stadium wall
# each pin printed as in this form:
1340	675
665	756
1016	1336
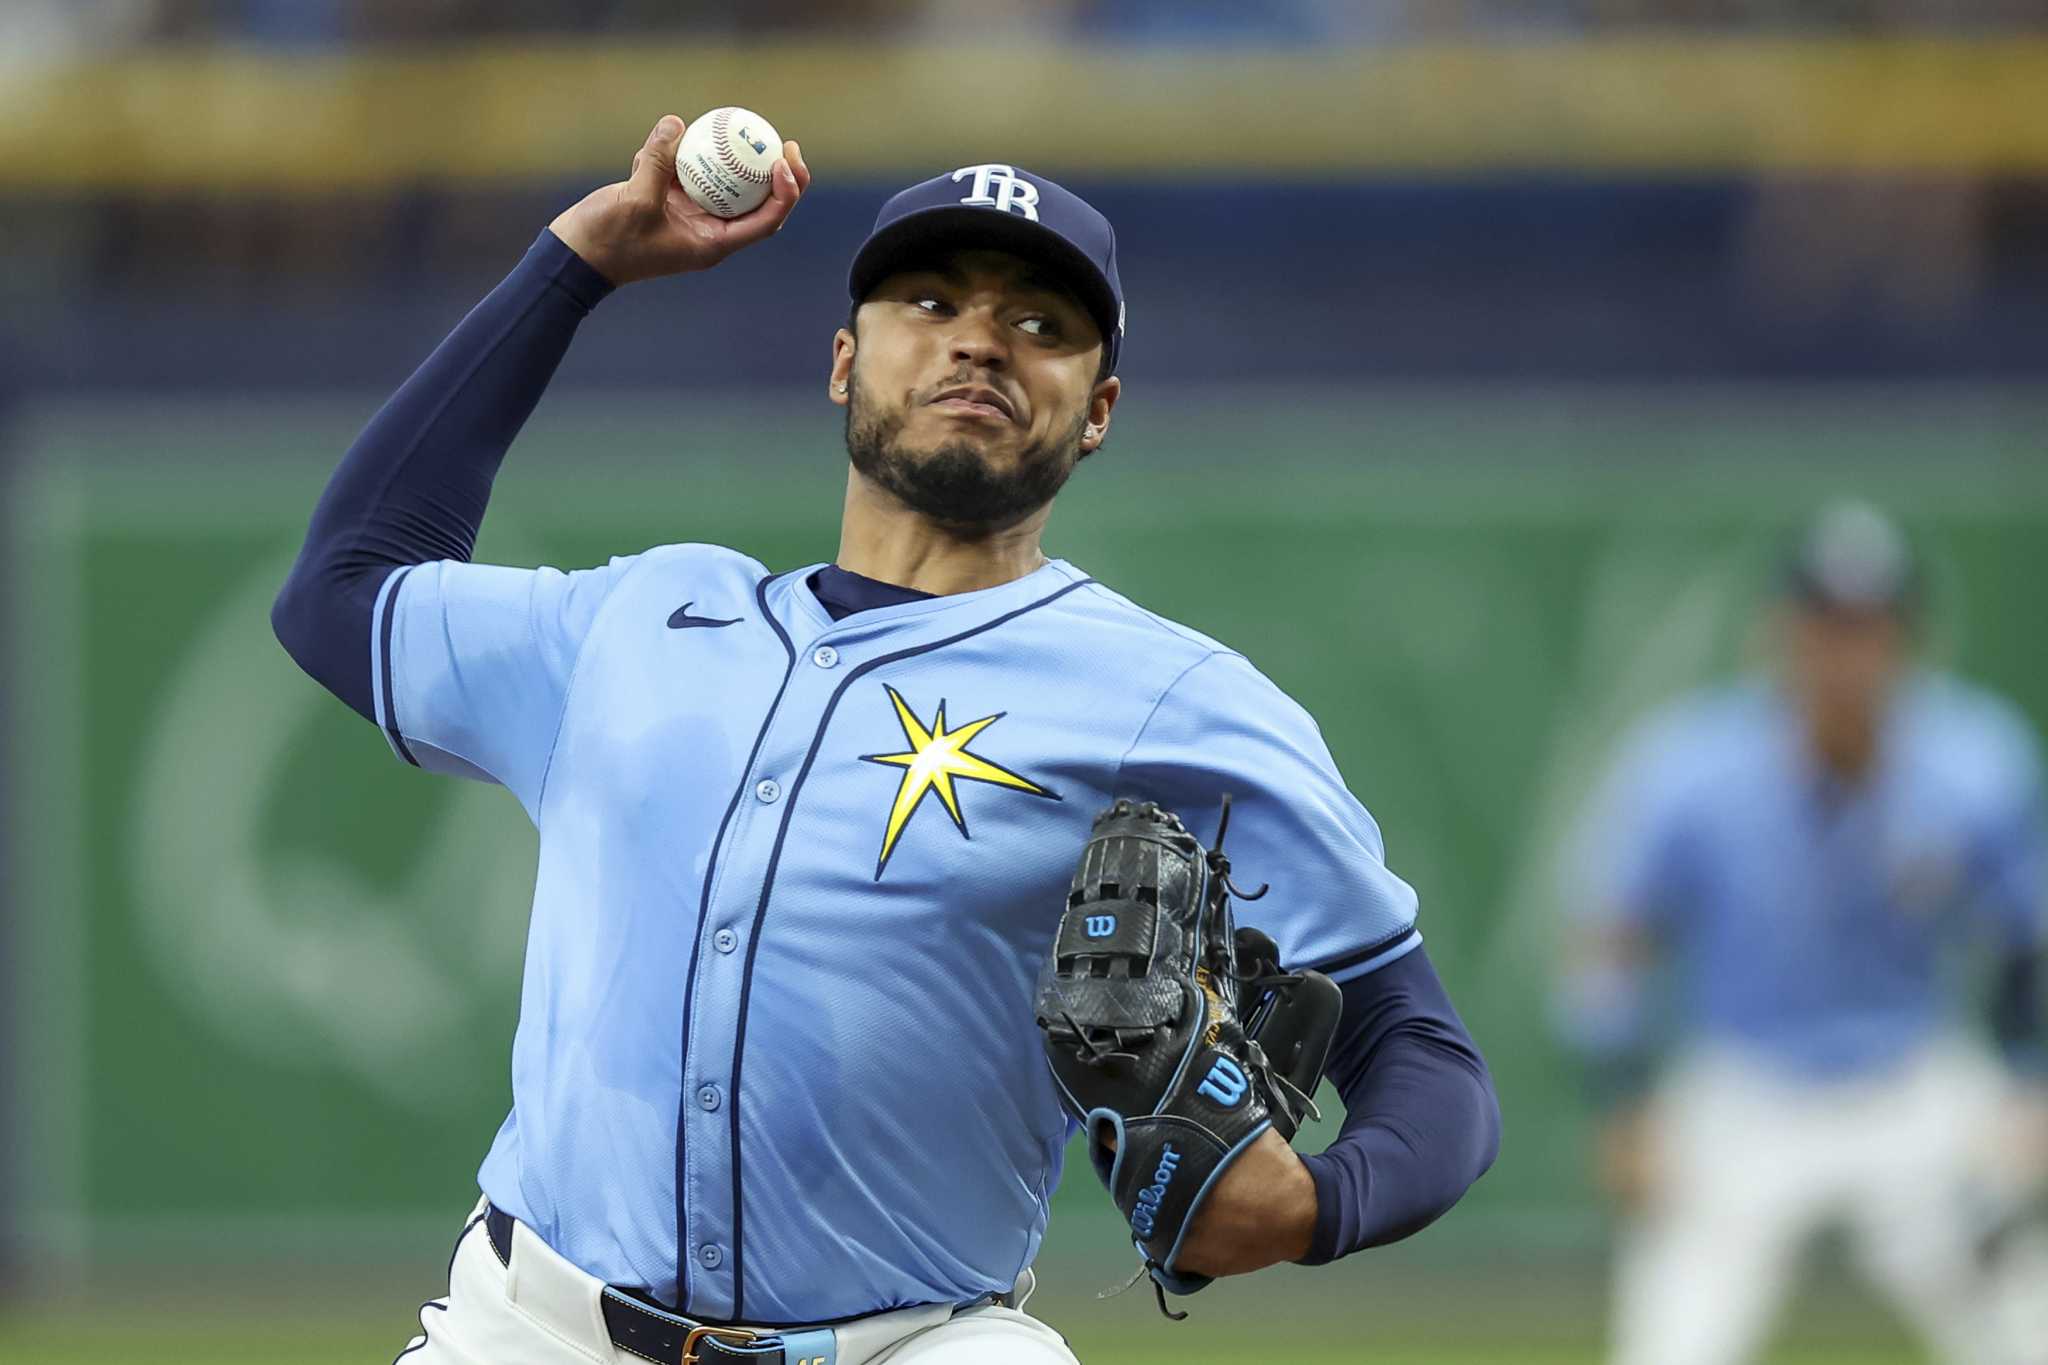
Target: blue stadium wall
1518	279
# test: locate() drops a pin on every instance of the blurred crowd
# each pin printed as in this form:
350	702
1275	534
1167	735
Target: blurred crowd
1830	269
55	27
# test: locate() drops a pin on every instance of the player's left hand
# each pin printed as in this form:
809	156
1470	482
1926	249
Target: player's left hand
1142	1004
1262	1212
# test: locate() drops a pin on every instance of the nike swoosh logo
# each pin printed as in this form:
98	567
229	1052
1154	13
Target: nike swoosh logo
682	620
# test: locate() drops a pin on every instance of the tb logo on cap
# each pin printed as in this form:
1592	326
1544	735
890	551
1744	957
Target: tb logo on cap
1011	192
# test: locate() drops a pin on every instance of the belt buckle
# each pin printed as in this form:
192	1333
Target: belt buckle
739	1336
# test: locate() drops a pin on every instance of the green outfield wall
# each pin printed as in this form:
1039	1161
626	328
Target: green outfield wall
268	976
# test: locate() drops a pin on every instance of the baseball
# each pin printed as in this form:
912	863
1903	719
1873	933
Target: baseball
725	159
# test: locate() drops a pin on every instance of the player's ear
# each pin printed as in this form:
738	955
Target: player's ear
1096	429
841	382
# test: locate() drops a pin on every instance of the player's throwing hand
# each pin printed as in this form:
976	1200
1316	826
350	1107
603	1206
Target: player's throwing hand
645	225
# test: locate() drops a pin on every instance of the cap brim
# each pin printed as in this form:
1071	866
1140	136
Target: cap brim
917	240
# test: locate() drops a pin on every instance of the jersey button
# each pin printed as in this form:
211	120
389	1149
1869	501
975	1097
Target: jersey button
707	1098
725	940
710	1257
824	656
767	791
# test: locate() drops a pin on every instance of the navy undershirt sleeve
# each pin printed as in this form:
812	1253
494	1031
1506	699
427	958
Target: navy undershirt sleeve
413	487
1421	1121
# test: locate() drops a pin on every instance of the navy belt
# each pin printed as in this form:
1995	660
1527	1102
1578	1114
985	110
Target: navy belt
654	1333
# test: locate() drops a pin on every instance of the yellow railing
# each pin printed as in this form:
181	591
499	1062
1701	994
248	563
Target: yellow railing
197	119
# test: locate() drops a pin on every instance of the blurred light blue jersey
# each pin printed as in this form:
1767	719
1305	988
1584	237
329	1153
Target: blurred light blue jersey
1806	920
776	1057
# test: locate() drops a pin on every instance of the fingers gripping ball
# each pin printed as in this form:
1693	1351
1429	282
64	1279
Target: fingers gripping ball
1143	1007
725	160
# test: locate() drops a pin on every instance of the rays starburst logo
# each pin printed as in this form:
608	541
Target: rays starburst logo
937	758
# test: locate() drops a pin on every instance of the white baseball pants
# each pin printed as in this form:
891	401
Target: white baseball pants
541	1310
1753	1164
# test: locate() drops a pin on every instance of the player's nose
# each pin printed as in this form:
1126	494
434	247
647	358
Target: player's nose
978	339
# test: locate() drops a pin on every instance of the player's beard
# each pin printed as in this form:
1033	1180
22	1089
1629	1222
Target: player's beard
954	484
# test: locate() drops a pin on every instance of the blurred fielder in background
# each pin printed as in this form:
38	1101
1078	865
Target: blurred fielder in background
1802	858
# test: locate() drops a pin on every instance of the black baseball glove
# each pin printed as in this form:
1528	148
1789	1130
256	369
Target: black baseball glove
1174	1037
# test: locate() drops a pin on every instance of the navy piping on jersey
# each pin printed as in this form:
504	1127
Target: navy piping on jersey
683	1260
384	671
425	1335
1365	954
768	887
467	1228
441	1304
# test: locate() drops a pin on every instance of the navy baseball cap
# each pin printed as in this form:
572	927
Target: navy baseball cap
1004	208
1852	557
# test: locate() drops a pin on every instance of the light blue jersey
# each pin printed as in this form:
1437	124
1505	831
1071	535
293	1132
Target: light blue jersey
1806	920
776	1054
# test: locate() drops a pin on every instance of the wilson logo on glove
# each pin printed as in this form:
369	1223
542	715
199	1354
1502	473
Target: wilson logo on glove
1224	1084
1147	1211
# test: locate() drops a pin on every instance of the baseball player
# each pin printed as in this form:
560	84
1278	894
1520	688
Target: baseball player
779	1094
1802	857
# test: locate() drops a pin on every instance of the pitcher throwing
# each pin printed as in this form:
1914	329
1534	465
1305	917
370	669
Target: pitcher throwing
779	1094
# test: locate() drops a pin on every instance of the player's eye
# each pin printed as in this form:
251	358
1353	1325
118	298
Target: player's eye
937	307
1040	327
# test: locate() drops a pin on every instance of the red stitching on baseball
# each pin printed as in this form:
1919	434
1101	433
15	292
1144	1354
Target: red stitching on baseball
719	197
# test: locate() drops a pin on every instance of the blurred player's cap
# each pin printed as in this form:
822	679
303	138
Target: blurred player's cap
1852	557
1005	208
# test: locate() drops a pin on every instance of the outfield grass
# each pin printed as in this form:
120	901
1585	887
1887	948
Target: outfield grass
45	1339
234	1343
1386	1309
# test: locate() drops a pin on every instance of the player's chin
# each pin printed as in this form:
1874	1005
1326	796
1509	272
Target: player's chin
997	445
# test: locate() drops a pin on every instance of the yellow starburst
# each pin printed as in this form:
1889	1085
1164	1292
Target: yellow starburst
937	756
